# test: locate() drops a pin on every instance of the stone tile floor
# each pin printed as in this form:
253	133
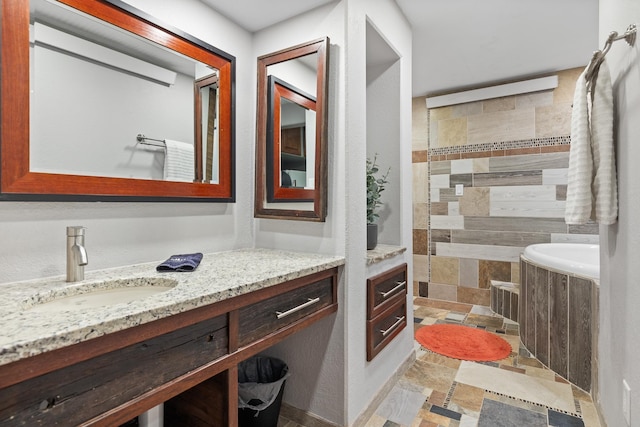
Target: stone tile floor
518	391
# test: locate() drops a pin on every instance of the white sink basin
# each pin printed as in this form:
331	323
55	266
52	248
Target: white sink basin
98	294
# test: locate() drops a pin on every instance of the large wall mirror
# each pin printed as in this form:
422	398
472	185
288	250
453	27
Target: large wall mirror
291	145
102	102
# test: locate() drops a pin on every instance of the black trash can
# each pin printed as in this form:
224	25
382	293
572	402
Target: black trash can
260	387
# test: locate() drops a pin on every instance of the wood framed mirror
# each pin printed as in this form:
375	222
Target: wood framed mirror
100	101
291	136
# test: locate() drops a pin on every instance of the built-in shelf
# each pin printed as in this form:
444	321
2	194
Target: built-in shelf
382	252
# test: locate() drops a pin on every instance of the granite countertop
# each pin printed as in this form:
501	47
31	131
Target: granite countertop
220	276
382	252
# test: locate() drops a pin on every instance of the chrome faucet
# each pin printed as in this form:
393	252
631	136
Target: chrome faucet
76	254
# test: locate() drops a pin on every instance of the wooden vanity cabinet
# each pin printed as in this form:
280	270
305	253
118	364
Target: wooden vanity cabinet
71	395
386	308
188	360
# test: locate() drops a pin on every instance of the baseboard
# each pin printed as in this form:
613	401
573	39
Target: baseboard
308	419
304	418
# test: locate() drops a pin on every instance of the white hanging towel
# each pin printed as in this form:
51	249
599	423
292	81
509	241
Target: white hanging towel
605	189
578	207
591	185
178	161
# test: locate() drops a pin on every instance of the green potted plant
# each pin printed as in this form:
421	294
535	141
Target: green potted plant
375	186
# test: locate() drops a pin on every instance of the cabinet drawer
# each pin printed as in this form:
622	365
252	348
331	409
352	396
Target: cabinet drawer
383	328
383	289
77	393
265	317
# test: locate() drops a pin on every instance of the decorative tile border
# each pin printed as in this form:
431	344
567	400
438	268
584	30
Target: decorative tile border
532	403
502	145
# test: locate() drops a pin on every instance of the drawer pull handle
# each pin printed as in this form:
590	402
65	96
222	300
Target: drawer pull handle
400	286
310	301
392	327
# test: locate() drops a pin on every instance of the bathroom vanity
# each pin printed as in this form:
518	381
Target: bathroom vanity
102	366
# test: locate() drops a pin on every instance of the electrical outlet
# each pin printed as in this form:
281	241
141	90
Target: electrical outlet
626	402
459	189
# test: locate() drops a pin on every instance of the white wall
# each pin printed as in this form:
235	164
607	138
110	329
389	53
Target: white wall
327	237
619	344
296	74
331	377
383	134
316	356
32	235
365	379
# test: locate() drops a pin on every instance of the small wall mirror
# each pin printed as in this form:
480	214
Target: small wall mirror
115	106
291	146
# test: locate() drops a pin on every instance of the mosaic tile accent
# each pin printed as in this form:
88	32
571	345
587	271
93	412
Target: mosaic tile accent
501	145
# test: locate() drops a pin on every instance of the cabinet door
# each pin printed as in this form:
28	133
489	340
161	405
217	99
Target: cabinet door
382	329
383	288
292	141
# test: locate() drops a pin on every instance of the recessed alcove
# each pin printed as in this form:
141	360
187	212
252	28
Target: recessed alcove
383	128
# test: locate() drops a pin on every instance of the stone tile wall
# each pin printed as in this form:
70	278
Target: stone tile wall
511	155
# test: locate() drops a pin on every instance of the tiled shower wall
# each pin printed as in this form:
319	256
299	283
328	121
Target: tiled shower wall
511	156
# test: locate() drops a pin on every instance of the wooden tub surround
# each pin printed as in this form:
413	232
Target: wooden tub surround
558	315
181	348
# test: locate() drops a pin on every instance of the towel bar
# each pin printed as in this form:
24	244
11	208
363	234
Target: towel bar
598	56
143	140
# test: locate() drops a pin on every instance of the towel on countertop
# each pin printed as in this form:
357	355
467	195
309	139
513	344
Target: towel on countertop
178	161
591	180
184	262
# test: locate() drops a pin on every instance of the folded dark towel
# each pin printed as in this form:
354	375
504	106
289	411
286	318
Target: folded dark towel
185	262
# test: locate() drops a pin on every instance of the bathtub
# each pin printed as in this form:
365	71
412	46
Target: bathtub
581	259
558	308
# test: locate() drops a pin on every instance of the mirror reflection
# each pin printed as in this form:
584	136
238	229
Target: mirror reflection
291	136
291	139
94	88
108	103
207	145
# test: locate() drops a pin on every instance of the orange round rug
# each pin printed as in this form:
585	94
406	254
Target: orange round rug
463	342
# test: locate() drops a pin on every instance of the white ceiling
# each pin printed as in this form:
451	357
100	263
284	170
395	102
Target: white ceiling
254	15
469	43
461	44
